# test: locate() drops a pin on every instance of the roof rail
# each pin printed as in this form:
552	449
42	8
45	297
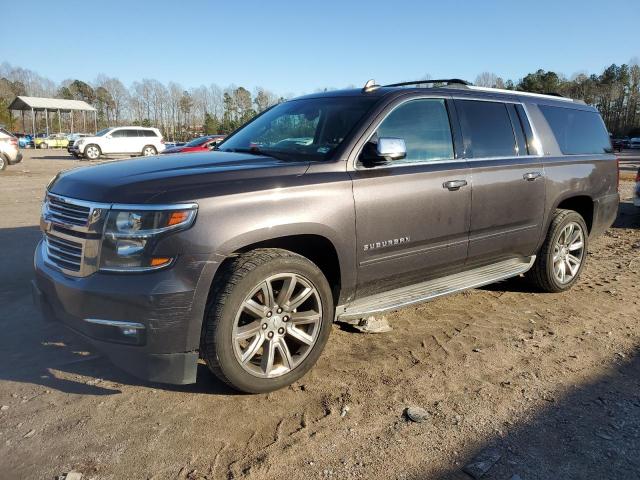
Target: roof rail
448	81
552	96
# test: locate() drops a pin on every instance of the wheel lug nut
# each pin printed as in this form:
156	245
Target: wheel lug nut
270	334
281	330
269	313
279	310
264	326
285	318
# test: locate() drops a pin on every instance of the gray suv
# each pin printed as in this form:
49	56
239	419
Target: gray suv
333	206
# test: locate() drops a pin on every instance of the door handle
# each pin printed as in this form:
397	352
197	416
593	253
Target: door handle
531	176
453	185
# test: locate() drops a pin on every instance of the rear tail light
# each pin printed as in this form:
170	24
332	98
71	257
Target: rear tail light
638	176
14	142
162	141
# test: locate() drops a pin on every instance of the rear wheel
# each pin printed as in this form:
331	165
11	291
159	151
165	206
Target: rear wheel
563	253
92	152
268	321
3	162
44	145
149	150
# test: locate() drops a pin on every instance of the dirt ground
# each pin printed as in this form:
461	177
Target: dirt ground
549	383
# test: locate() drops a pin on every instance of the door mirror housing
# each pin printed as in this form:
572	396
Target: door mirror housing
391	148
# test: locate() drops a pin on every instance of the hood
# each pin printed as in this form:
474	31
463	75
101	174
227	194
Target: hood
175	178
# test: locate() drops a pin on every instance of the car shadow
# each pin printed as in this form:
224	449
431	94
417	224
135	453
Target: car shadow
590	432
628	216
40	352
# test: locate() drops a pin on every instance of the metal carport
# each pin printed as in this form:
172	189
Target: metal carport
46	105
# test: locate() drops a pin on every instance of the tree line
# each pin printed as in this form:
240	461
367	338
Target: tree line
181	113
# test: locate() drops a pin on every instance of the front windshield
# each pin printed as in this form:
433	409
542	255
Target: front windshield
308	128
196	142
103	132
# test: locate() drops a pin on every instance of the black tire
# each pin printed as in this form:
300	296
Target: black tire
542	274
4	161
88	148
147	148
238	277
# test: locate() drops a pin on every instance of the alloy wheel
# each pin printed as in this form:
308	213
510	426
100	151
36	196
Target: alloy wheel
148	151
92	153
277	325
568	253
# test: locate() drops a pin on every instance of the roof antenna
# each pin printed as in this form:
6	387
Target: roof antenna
370	86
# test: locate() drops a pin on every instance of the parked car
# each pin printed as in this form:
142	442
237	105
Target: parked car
634	143
24	140
173	144
120	141
72	140
55	140
200	144
9	149
617	144
245	256
636	196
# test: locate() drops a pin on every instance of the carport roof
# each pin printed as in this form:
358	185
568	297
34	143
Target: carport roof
40	104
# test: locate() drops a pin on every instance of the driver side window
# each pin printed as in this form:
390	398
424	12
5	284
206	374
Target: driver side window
424	126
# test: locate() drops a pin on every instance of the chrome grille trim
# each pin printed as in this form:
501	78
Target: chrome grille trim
72	234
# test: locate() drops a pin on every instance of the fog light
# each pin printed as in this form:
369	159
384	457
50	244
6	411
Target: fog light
116	331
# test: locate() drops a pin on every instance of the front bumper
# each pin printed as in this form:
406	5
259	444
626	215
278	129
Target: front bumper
165	308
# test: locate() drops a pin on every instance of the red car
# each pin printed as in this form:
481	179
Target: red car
200	144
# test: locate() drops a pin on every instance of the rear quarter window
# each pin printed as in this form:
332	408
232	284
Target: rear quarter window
577	132
148	133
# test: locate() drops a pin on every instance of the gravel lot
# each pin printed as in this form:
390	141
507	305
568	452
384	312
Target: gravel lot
545	385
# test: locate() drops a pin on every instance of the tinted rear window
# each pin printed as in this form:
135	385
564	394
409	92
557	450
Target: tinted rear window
148	133
577	131
486	128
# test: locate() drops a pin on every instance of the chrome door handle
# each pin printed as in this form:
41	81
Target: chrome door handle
454	184
531	176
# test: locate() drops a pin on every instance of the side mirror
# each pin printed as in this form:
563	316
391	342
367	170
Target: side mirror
391	148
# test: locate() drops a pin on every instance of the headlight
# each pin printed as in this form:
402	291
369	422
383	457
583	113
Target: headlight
78	142
131	235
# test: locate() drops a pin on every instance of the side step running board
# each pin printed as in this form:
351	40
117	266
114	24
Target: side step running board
422	292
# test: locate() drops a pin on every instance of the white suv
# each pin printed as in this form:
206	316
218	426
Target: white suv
120	141
9	150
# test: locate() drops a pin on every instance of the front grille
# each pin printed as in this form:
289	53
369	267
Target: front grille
68	213
72	234
64	253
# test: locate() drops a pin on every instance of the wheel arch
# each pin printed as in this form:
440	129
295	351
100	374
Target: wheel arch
317	248
582	204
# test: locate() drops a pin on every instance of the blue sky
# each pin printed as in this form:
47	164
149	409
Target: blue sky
293	47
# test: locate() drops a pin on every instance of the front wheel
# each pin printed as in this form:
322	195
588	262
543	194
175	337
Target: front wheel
563	253
92	152
149	150
268	321
44	145
3	163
